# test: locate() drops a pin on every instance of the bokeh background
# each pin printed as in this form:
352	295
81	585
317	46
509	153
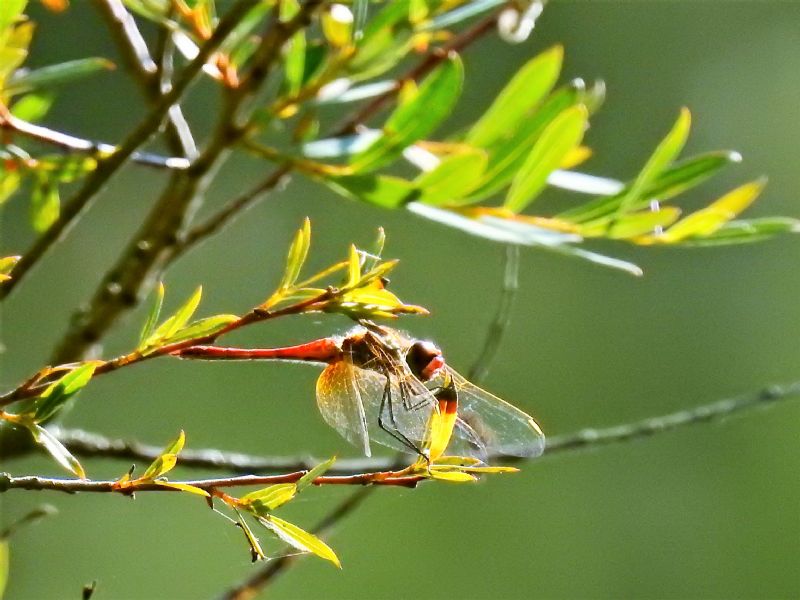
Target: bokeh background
710	511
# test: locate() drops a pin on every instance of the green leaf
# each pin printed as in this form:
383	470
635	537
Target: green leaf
317	471
296	258
294	63
167	460
45	204
32	107
9	183
54	397
665	153
7	263
53	75
170	326
671	182
10	11
416	116
298	538
256	553
353	268
202	328
454	178
525	90
641	223
262	502
706	221
560	137
507	155
153	315
56	449
385	191
183	487
747	231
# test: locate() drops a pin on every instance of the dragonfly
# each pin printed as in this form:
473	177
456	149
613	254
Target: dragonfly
380	385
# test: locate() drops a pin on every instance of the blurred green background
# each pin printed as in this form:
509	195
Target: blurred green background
710	511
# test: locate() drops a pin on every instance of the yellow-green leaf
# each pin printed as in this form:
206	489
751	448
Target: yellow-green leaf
169	327
54	397
269	498
57	450
184	487
706	221
163	464
558	139
454	178
526	89
640	223
4	555
45	204
256	553
353	267
299	538
451	476
317	471
202	328
153	315
298	252
666	152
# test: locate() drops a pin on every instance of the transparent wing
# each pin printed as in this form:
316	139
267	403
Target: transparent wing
397	409
492	425
339	401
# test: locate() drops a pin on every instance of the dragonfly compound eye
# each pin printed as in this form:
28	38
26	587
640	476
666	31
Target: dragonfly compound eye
424	359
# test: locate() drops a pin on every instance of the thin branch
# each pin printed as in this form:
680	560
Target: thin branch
261	578
72	486
153	78
502	318
107	167
88	444
71	143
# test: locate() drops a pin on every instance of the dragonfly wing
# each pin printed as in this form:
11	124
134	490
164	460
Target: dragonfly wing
466	442
339	401
502	429
397	413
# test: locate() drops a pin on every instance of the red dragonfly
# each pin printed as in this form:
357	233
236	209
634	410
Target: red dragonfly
382	386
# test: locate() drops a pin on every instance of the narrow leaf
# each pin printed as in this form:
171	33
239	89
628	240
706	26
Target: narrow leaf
57	394
184	487
163	464
300	539
317	471
262	502
53	75
454	178
381	190
416	117
57	450
4	555
557	140
641	223
45	204
296	258
665	153
171	325
706	221
525	90
153	315
256	553
202	328
452	476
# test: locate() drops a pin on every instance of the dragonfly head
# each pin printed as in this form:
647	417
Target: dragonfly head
424	359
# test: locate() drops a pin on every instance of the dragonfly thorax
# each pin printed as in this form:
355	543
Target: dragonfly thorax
424	359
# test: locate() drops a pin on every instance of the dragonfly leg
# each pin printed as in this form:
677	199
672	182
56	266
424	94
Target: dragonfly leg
393	429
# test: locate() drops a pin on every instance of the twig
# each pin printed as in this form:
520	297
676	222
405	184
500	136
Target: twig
151	75
261	578
502	318
73	486
83	443
75	144
107	167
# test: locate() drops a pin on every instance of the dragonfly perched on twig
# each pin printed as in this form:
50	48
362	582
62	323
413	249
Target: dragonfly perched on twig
382	386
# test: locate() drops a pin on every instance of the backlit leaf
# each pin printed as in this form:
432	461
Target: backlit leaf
4	555
256	553
171	325
452	476
9	183
202	328
526	89
558	139
184	487
416	116
300	539
54	397
298	252
32	107
262	502
53	75
665	153
746	231
382	190
45	204
317	471
454	178
706	221
57	450
163	464
153	315
640	223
